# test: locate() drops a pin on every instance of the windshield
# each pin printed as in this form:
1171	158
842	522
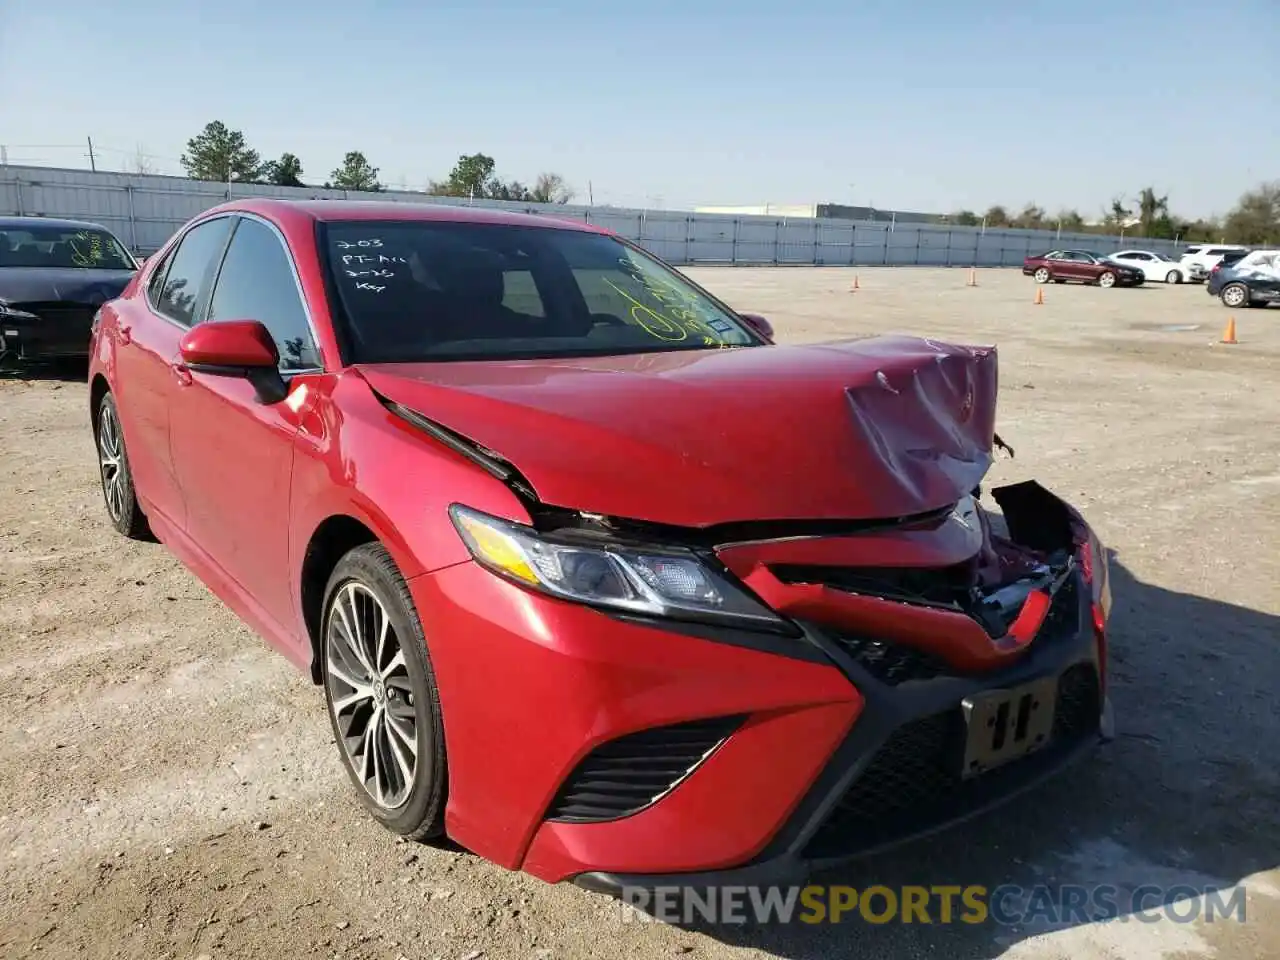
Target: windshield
40	245
438	290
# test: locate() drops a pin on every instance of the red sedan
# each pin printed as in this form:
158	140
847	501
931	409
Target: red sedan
1080	266
597	579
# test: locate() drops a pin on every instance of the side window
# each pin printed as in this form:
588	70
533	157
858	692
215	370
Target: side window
187	279
256	283
1137	256
156	283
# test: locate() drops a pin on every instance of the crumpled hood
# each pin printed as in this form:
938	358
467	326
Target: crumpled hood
70	285
863	429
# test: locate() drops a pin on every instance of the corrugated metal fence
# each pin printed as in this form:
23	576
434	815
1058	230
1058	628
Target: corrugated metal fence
145	210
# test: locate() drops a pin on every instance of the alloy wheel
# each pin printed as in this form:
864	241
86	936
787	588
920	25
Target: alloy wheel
370	695
1173	277
109	461
1107	280
1233	296
1042	275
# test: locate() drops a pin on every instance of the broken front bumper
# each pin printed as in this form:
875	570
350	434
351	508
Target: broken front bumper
925	750
897	774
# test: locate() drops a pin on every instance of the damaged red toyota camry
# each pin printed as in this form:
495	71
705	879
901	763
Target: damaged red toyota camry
596	578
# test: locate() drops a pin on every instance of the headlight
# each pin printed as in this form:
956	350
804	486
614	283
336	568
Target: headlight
15	314
659	582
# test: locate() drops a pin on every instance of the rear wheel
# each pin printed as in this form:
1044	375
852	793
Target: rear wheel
117	479
1042	275
1173	276
381	692
1235	295
1108	279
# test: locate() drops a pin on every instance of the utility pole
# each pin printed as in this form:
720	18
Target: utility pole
93	164
591	197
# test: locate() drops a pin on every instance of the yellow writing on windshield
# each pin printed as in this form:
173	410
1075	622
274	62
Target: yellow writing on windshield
86	249
679	317
652	321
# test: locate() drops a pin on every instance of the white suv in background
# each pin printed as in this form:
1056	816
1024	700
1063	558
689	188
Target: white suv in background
1200	258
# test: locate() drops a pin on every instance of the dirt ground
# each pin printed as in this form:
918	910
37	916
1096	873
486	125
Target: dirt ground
169	789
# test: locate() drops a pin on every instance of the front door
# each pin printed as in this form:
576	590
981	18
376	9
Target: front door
234	454
150	328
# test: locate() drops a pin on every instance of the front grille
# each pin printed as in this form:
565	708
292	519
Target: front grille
1063	617
913	783
626	775
892	663
943	585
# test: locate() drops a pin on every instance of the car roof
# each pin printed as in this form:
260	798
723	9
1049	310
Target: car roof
330	211
15	223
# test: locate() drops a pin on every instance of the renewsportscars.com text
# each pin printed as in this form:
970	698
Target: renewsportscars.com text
973	904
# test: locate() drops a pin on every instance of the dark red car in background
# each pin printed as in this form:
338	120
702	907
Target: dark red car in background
1080	266
596	579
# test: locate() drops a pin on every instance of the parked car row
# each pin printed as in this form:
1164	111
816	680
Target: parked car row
1241	276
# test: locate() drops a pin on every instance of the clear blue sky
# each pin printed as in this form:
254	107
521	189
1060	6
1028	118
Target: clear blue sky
924	105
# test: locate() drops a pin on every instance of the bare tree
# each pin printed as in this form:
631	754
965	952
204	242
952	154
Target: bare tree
551	188
142	162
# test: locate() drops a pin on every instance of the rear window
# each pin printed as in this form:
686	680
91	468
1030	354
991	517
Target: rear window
63	247
1191	251
413	291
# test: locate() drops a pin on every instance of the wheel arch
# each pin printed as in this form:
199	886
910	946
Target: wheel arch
98	389
330	542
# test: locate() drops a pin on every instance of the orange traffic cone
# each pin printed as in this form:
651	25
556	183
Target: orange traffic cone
1229	334
853	288
1039	295
973	278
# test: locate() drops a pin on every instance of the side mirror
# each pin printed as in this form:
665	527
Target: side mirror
235	348
759	324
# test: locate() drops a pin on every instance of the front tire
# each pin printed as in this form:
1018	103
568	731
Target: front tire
1108	279
384	707
1042	275
1173	276
117	479
1235	295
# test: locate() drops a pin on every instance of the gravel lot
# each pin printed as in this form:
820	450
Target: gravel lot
168	788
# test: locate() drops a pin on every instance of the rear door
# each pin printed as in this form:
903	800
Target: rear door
146	380
1074	266
233	454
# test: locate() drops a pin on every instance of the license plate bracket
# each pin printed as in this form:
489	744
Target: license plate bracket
1006	725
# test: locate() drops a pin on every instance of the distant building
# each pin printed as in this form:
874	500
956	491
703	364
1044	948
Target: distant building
765	210
826	211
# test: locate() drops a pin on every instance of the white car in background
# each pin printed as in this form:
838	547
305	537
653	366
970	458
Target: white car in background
1198	259
1159	267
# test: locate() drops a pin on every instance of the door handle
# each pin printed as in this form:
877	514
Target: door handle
181	373
126	334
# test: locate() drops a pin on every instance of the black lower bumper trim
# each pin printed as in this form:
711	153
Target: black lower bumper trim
834	823
796	869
